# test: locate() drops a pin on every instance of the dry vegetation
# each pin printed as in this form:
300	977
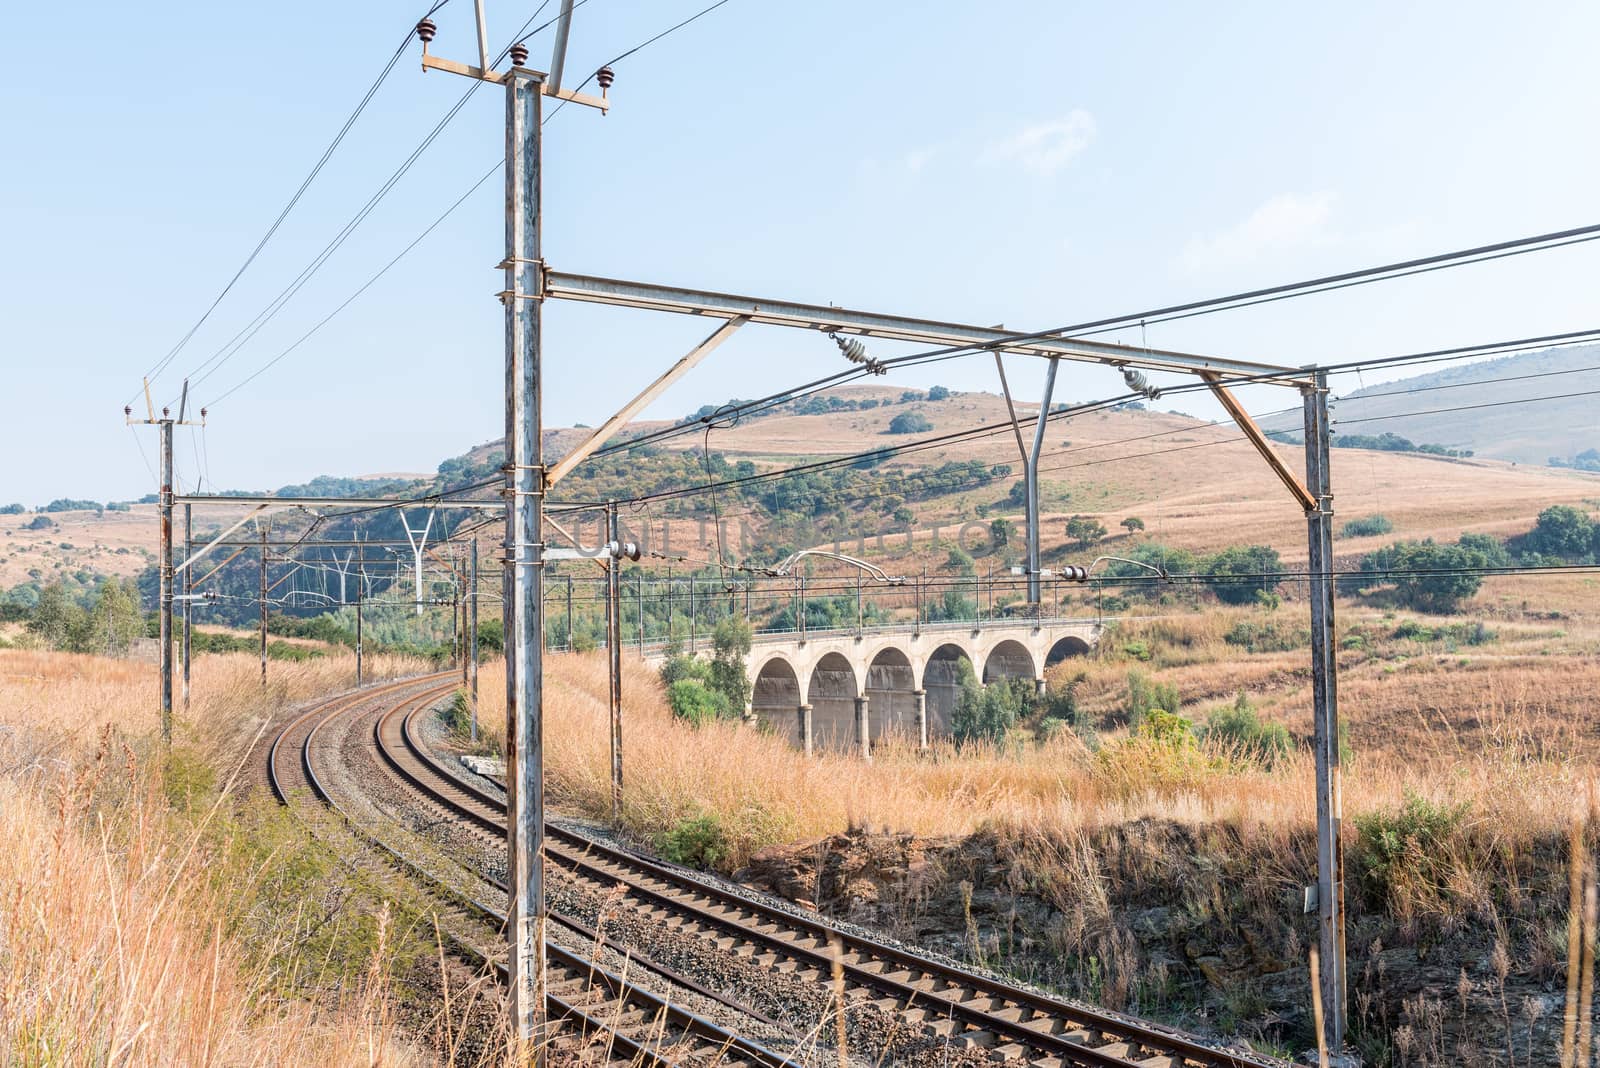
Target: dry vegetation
135	915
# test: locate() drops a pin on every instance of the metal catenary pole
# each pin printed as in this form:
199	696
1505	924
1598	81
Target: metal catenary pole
188	594
472	640
165	593
1031	472
361	582
261	598
524	527
1325	712
614	656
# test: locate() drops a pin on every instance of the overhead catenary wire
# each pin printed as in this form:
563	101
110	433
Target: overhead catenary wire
986	430
305	184
243	337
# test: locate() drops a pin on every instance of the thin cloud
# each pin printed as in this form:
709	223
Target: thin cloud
1045	147
1287	221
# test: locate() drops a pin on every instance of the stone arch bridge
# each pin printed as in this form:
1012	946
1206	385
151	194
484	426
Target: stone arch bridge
846	689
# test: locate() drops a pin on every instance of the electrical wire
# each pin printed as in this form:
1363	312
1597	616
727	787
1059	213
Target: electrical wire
303	338
243	337
635	49
1465	407
305	184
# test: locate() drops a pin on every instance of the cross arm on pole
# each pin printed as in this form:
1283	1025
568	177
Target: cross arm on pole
1236	411
637	404
643	295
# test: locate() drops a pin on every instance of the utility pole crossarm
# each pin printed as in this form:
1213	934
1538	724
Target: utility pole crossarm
635	406
1242	419
643	295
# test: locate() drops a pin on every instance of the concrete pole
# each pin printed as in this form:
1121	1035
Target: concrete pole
639	601
861	614
188	592
922	717
693	634
569	614
164	598
614	658
522	298
472	639
1031	472
805	728
1325	718
863	728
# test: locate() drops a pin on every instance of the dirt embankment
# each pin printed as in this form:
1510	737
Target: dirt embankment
1203	927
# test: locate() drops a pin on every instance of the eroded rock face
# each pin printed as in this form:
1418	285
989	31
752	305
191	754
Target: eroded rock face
1202	927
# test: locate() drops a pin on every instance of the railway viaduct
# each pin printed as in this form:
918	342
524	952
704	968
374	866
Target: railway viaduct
845	689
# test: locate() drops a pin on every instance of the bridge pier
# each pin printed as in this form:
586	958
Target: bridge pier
805	729
863	728
922	718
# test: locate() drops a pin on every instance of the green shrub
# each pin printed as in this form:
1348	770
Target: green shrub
1266	637
1405	854
1239	726
1146	696
1138	649
696	841
1366	527
690	699
1167	729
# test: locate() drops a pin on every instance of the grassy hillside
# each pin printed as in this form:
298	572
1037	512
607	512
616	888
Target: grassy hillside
1523	433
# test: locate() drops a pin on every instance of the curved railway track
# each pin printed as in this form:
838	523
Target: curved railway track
636	1025
965	1007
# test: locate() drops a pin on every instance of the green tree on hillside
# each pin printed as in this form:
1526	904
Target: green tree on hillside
1427	576
114	620
1561	530
56	619
1132	523
1085	530
1245	571
909	423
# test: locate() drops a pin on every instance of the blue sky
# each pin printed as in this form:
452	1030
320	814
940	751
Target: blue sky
1020	162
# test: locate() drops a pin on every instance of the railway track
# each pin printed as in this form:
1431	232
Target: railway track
634	1025
961	1006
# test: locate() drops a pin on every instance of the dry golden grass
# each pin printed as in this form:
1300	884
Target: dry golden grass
764	792
113	951
117	943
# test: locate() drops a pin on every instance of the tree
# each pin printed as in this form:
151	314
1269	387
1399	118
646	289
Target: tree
1132	523
1427	576
12	509
938	393
56	619
114	620
730	640
1563	531
1000	532
1245	570
39	522
1085	530
909	423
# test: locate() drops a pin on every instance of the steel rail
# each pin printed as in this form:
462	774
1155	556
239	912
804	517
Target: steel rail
579	976
1138	1041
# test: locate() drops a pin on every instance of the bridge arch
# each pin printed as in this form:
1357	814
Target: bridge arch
941	679
1066	649
776	699
891	694
831	692
1008	659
